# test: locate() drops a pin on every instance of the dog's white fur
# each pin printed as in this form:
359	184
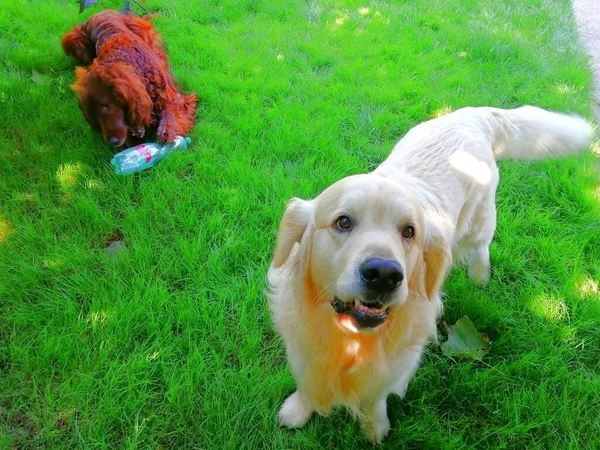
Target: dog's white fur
440	178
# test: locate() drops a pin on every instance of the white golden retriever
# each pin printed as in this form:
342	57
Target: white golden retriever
356	276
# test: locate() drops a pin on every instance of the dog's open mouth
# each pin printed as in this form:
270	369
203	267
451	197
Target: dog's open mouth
361	315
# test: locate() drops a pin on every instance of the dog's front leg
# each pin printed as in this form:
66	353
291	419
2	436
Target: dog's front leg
374	421
137	132
167	124
294	412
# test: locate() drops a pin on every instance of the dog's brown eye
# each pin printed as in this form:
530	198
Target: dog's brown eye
343	223
408	232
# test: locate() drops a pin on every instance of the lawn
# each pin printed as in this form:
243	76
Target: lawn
168	344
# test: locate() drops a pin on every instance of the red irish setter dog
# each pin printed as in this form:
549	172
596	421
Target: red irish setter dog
127	89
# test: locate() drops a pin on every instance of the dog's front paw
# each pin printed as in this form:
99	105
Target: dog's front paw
138	131
165	135
294	412
375	431
374	421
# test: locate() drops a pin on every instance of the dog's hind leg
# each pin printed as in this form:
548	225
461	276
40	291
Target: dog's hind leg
479	266
479	263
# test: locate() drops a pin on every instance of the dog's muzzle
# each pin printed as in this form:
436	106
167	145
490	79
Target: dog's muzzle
380	279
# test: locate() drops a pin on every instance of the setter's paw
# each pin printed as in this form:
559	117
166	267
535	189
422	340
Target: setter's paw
137	131
165	134
294	412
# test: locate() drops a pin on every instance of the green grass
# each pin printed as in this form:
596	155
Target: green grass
170	344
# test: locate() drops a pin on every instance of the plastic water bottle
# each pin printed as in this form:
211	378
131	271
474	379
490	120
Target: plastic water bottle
140	157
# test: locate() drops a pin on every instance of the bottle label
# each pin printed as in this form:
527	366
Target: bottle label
142	150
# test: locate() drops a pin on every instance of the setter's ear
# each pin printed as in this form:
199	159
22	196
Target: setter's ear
436	260
294	223
77	44
82	80
131	90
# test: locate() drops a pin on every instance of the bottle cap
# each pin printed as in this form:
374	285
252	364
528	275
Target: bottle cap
188	140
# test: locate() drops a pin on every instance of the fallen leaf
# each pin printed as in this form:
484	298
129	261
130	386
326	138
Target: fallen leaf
464	340
115	248
37	77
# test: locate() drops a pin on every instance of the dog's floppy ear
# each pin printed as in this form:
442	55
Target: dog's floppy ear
82	77
128	86
437	257
294	222
81	80
77	44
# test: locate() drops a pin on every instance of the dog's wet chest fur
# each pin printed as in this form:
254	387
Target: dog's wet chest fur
347	368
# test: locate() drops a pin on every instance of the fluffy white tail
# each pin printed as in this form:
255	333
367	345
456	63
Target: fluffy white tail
533	133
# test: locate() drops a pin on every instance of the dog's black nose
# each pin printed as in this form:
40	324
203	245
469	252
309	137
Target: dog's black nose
114	141
381	276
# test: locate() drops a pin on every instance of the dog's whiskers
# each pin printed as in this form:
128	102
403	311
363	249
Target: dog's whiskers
323	293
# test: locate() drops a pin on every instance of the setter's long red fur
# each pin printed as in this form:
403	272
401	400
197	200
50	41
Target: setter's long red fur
127	90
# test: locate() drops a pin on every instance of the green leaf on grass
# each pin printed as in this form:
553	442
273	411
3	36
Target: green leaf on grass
38	77
115	249
464	340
